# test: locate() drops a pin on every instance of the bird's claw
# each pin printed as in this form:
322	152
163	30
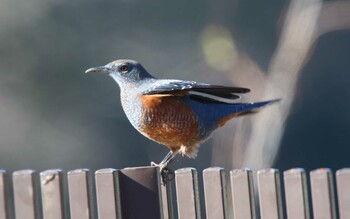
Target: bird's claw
166	173
161	165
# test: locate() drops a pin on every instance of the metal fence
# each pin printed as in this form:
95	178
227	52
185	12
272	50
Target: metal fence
140	193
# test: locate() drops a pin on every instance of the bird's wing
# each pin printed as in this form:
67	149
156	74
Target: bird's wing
197	91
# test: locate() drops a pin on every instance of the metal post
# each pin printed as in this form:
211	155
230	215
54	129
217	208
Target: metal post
3	195
215	193
296	194
243	194
187	193
343	188
79	194
24	194
140	192
108	194
270	194
322	191
52	194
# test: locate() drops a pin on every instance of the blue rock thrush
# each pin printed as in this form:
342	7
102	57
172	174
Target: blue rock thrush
178	114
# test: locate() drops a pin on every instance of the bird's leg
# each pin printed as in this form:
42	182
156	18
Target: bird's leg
168	159
165	158
165	171
167	174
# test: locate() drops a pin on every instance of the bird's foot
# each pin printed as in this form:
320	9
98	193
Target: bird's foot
161	165
154	164
166	173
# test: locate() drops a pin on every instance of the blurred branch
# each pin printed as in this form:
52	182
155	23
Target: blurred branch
257	139
334	16
296	40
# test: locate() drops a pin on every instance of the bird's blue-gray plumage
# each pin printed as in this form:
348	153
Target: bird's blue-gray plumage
179	114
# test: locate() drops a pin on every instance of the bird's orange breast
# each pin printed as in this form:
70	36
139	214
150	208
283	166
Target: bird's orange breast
168	120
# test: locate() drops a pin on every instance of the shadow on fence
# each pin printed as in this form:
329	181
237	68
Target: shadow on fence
139	193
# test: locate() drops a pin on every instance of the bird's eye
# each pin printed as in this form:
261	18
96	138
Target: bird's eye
123	68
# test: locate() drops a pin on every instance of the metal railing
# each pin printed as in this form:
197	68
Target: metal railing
139	193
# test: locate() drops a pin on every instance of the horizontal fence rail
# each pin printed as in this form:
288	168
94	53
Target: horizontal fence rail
141	192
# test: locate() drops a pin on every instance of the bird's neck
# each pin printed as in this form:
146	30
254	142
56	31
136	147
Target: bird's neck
130	93
131	105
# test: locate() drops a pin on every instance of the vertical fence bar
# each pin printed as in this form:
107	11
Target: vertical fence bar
186	181
24	194
140	192
167	203
52	194
322	193
242	194
270	194
343	191
215	193
295	187
108	194
79	194
3	195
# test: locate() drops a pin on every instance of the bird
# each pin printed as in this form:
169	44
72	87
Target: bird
178	114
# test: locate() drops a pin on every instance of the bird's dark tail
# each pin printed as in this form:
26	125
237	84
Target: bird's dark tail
239	109
248	107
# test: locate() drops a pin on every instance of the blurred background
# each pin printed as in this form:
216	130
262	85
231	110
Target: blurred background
52	115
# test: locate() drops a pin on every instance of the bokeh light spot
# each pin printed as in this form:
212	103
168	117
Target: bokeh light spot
218	47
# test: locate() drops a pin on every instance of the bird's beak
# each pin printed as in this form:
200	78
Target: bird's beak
98	70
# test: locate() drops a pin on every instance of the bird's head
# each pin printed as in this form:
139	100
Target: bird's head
123	71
